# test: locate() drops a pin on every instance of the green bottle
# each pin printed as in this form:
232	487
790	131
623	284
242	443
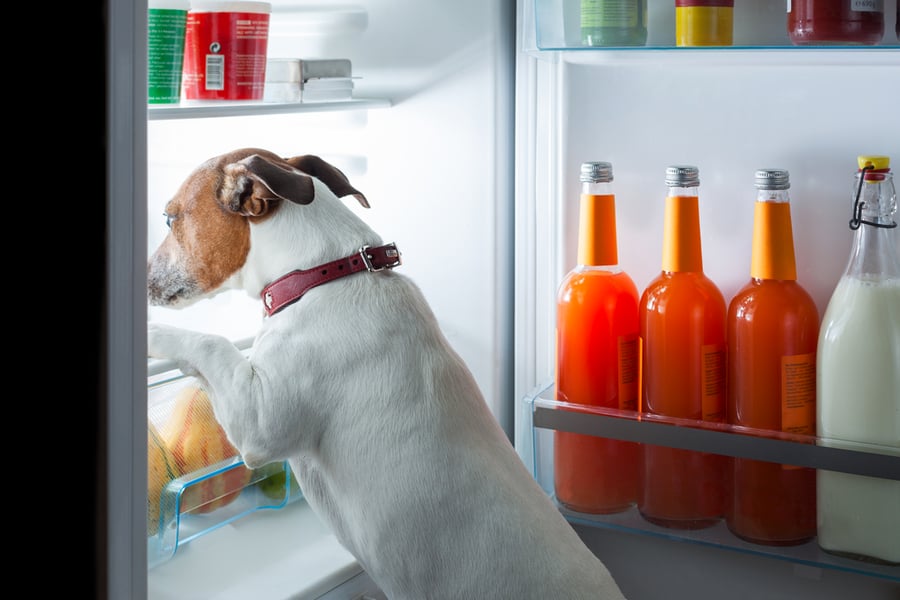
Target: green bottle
613	22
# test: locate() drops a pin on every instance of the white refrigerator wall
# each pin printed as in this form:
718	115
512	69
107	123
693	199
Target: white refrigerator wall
729	113
436	166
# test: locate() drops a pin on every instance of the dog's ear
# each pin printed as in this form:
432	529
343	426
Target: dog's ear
253	185
328	174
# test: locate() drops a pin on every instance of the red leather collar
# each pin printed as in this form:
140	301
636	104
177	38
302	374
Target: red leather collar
289	288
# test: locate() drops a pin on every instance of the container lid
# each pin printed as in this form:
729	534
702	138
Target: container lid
169	4
283	69
682	176
712	3
878	162
773	179
596	172
231	6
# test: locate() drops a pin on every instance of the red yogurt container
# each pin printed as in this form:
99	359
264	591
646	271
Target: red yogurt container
225	46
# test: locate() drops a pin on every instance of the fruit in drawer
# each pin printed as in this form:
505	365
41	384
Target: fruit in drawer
161	469
197	442
273	486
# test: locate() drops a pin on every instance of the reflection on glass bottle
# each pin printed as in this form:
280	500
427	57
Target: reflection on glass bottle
613	22
858	376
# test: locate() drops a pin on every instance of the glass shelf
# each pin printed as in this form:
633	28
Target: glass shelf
554	25
161	112
543	415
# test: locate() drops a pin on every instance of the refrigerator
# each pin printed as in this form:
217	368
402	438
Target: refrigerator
466	130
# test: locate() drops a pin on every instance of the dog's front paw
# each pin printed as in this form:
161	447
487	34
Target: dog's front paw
163	341
194	352
167	342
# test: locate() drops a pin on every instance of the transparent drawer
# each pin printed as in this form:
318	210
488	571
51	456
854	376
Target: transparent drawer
556	25
197	481
862	484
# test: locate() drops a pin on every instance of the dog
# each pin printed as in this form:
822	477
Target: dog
351	380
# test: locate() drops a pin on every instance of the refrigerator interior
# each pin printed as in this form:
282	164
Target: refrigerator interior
759	104
428	140
432	155
435	158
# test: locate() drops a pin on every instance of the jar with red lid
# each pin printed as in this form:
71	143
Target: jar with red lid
841	22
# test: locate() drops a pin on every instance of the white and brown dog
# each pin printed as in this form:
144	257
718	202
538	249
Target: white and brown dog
351	380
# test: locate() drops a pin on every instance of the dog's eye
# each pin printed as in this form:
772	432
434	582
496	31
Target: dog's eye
169	219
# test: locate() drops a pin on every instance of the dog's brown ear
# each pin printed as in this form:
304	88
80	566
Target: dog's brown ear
284	183
328	174
253	185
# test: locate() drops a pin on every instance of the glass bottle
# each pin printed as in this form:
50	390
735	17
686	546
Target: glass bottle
597	356
613	22
682	319
704	22
835	21
772	332
858	376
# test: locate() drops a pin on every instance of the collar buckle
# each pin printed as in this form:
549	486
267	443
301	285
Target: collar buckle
390	252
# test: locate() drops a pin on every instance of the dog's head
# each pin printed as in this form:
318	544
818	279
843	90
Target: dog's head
211	214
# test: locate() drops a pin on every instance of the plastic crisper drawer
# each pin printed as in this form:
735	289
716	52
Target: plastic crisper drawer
196	479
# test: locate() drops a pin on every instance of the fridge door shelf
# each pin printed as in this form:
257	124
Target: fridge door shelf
182	506
553	25
543	415
244	109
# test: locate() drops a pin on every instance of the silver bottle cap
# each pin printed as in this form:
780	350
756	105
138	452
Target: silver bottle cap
596	172
682	176
773	179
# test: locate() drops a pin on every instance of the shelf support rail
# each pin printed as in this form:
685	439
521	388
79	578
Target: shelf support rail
727	443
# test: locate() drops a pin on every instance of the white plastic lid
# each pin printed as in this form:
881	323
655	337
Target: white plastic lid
229	6
283	69
169	4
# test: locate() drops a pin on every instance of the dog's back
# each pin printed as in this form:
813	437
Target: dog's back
417	478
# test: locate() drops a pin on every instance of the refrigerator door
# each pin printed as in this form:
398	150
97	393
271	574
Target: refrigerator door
730	111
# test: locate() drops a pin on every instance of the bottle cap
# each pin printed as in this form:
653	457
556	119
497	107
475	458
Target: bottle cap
877	162
596	172
773	179
682	176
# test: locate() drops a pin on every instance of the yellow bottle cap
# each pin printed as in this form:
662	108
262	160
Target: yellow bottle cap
877	162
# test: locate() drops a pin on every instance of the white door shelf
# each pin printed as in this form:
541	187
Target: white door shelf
544	415
555	25
243	109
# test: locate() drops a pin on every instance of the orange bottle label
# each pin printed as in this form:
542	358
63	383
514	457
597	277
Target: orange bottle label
714	383
773	242
629	350
597	235
681	235
798	396
798	393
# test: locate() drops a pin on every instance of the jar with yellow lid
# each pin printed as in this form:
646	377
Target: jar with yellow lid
704	22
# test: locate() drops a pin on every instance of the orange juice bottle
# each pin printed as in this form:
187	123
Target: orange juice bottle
682	319
597	356
773	330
